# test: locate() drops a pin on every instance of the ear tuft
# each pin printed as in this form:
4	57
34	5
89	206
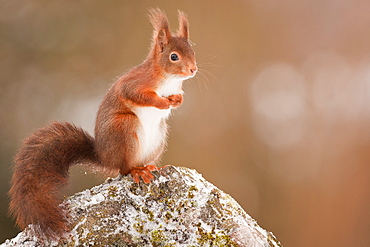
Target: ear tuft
161	32
183	31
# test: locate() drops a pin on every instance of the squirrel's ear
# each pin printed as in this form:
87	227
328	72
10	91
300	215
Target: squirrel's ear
163	38
161	33
183	26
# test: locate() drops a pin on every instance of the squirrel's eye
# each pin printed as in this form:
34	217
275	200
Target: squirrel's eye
174	57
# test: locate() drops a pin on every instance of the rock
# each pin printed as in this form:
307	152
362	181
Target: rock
179	208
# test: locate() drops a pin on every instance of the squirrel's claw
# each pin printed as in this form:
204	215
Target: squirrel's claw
145	173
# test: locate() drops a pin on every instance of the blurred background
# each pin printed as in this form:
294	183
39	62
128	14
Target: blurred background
278	115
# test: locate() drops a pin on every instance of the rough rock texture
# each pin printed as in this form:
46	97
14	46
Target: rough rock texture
180	208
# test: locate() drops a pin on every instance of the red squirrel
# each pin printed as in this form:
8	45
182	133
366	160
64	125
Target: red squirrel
130	132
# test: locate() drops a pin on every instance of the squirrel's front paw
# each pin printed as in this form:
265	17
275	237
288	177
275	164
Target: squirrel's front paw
175	100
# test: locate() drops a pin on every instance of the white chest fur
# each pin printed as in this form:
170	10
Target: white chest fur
152	132
171	86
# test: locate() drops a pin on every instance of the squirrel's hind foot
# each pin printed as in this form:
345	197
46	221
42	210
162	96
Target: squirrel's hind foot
145	173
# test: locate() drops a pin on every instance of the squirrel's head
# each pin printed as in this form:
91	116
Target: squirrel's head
173	53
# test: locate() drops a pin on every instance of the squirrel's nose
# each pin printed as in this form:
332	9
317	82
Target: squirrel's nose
193	70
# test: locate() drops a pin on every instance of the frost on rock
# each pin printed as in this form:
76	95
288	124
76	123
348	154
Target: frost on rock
179	208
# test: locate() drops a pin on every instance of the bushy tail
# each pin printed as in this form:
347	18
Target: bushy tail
41	169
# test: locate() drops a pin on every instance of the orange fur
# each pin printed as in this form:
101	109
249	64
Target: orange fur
41	169
124	142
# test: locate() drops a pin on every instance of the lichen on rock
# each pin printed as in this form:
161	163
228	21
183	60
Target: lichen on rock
179	208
